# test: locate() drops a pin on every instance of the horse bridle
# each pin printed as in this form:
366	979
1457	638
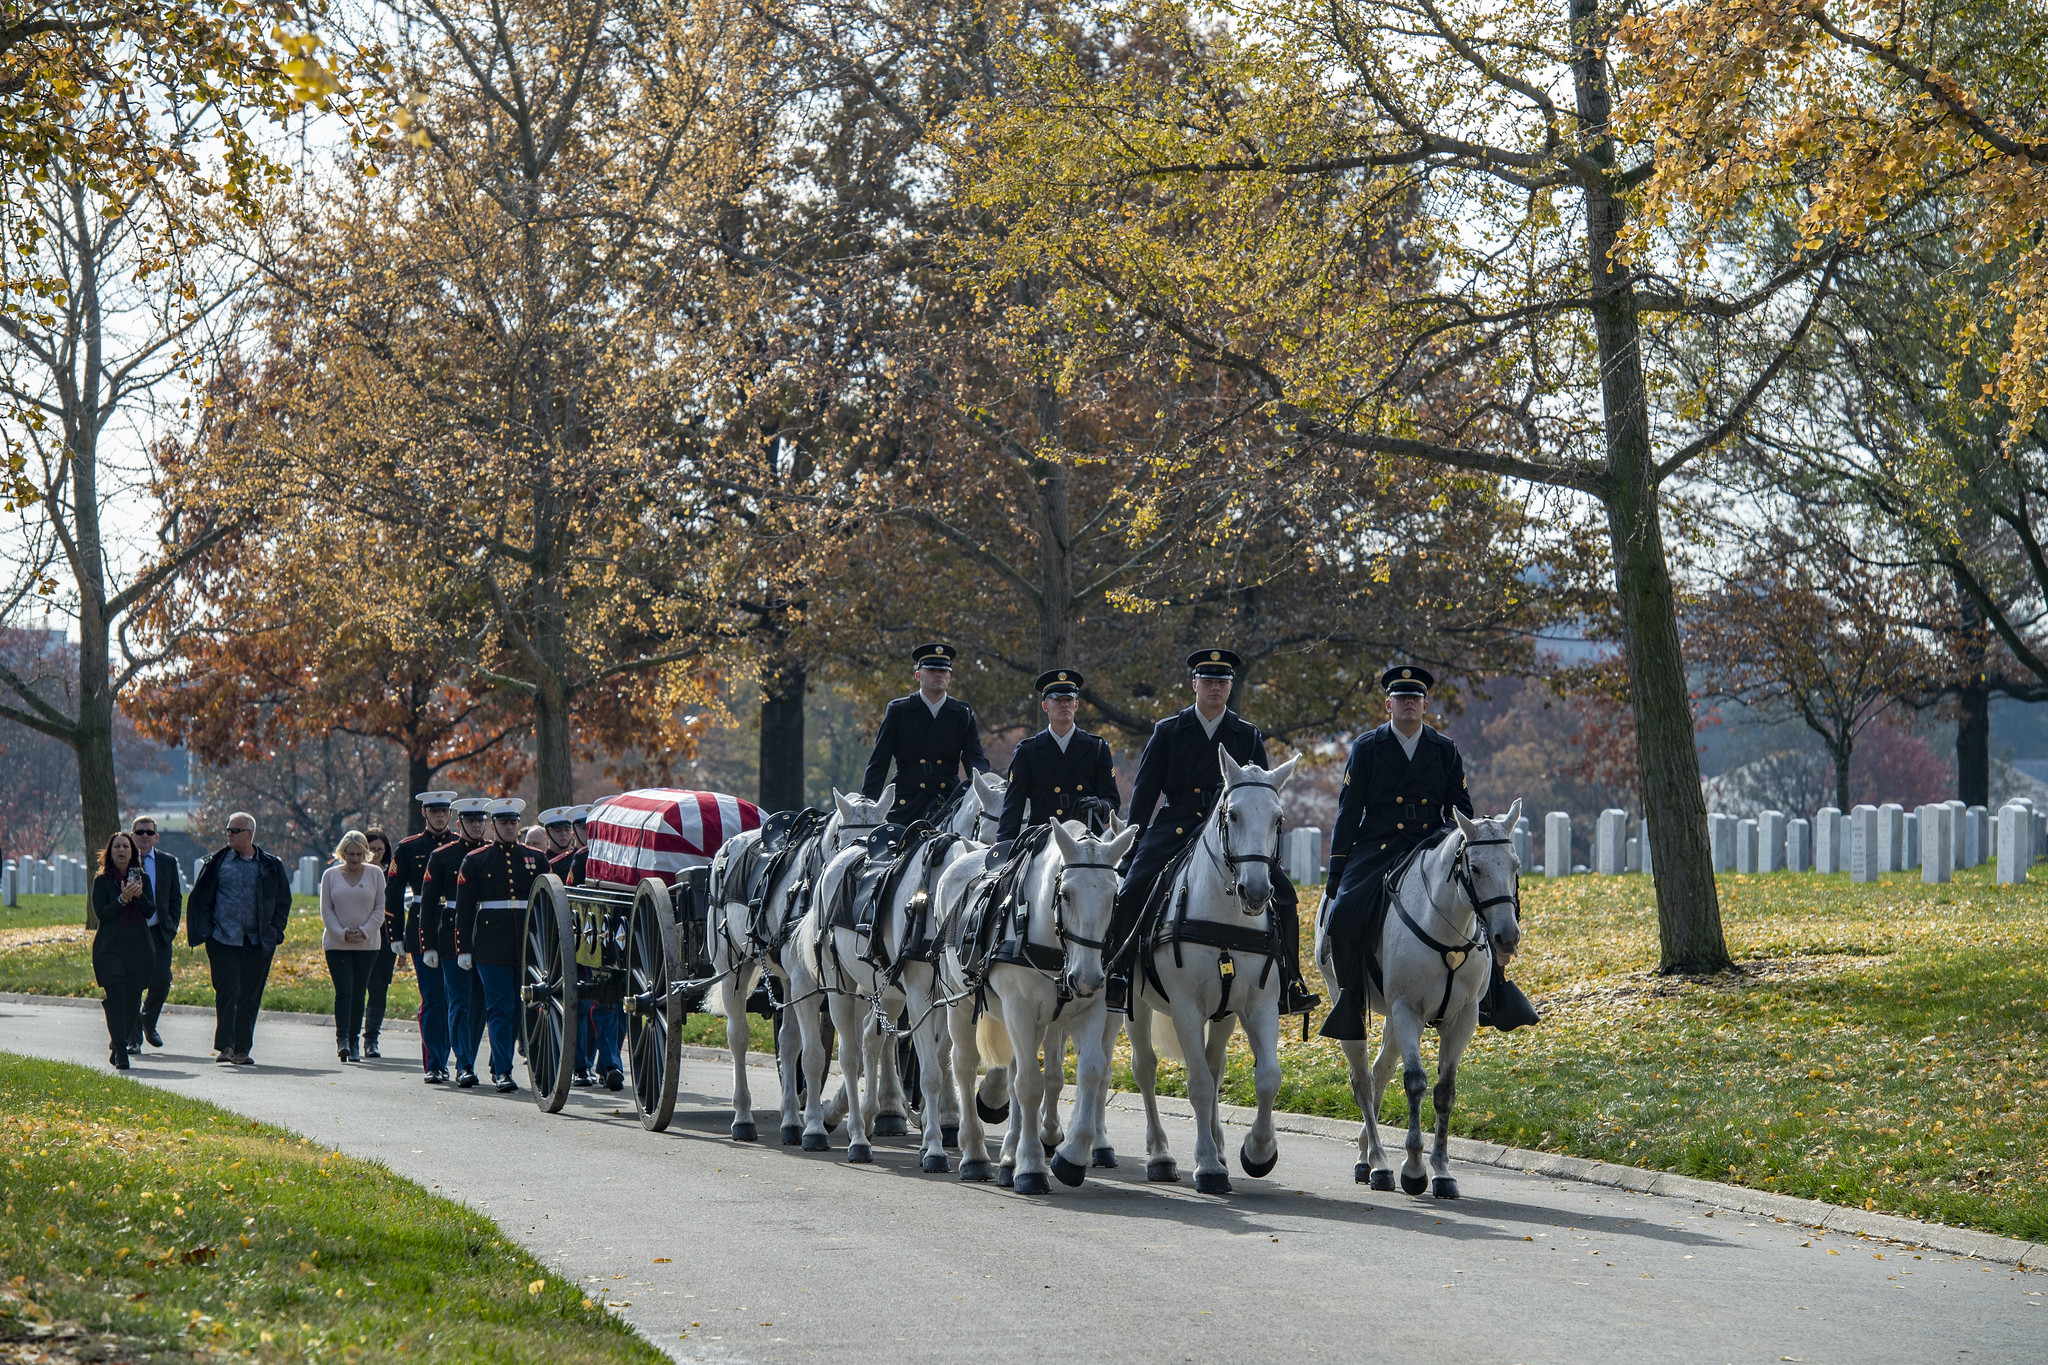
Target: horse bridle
1232	861
1480	907
1059	899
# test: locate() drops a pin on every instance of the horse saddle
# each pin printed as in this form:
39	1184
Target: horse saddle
1368	921
775	830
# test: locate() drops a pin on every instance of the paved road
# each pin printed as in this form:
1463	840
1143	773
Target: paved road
779	1255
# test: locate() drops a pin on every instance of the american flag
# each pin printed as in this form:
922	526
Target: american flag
660	831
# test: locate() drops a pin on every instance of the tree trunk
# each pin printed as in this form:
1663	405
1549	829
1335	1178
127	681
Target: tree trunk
1973	742
1842	755
1688	907
783	685
419	776
553	753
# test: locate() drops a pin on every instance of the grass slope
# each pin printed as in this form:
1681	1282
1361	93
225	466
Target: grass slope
1884	1046
298	975
140	1225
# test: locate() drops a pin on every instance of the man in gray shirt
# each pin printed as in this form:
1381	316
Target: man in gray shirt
238	910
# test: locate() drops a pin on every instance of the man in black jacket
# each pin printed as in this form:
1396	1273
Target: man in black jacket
238	909
459	986
167	902
1400	787
1062	766
930	737
1180	764
490	904
408	875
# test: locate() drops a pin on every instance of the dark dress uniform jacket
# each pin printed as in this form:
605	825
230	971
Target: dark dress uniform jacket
928	750
1391	803
409	871
568	865
1053	783
490	900
438	887
1180	764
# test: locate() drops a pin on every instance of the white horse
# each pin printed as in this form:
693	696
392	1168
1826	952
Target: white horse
1217	969
1065	896
978	808
865	998
741	954
1453	910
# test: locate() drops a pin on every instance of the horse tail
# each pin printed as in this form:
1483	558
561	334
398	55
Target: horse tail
993	1041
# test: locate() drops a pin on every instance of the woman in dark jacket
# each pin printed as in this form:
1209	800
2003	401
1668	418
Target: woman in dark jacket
123	950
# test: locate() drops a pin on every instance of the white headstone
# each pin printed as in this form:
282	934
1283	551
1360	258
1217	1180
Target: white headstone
1633	860
1912	840
1557	844
1863	844
1891	837
1610	843
2015	831
1827	841
1525	845
1745	846
309	875
1955	834
1937	843
1721	841
1304	860
1770	836
1976	831
1643	861
1799	846
9	897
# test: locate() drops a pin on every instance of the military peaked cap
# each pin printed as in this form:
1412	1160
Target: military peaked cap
1407	680
1060	682
935	656
1214	663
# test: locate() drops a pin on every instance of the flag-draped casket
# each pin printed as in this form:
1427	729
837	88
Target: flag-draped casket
660	831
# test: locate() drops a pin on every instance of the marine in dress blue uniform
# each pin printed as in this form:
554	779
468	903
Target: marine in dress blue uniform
1053	774
461	993
1180	765
929	737
407	871
1393	801
490	905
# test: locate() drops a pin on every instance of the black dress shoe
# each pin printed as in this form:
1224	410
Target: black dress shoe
370	1050
134	1048
155	1039
506	1085
355	1053
614	1079
466	1080
119	1058
583	1080
1297	998
437	1078
1116	993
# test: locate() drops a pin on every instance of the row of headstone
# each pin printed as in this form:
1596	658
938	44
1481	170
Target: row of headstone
1619	844
58	876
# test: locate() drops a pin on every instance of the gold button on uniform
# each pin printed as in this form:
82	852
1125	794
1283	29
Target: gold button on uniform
1399	825
1178	830
1055	788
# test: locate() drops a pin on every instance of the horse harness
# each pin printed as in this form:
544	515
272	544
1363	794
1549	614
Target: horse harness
1454	958
994	923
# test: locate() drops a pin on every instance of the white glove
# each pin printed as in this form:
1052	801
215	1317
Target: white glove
431	958
397	948
465	961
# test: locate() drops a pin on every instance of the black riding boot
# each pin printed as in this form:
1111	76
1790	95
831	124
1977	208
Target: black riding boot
1346	1021
1123	919
1295	996
1504	1006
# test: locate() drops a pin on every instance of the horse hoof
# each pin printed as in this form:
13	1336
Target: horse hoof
991	1114
745	1132
1162	1172
1252	1168
934	1163
1383	1181
1361	1173
1033	1182
949	1136
1443	1187
1050	1147
1070	1173
815	1142
860	1154
978	1171
791	1134
891	1125
1212	1182
1006	1176
1105	1158
1413	1184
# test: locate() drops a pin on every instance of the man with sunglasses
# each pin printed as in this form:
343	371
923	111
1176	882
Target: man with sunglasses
238	910
167	904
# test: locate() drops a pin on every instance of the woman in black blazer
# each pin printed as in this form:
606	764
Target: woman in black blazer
123	950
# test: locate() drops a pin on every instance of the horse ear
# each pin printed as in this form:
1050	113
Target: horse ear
1464	822
1232	773
1283	774
1070	851
887	798
1122	843
839	804
1514	814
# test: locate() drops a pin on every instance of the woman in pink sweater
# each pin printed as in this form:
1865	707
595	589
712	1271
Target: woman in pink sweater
352	910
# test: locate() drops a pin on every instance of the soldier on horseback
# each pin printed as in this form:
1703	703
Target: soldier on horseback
1400	787
930	737
1062	772
1179	764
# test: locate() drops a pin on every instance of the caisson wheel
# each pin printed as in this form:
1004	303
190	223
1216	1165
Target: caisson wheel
547	992
654	1012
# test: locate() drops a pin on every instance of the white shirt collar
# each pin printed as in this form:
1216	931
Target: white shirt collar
1209	726
1408	742
1061	740
931	706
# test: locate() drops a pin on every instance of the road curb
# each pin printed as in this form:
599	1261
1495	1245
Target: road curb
1813	1213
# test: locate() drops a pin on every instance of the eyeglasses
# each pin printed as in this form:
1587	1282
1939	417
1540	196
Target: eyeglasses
144	833
241	829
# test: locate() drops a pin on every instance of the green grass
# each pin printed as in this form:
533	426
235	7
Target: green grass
298	975
156	1227
1886	1045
